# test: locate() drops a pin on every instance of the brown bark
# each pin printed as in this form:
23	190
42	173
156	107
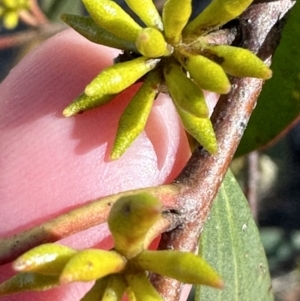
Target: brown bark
204	173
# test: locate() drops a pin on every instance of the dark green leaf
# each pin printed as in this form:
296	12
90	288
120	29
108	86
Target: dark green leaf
279	103
231	244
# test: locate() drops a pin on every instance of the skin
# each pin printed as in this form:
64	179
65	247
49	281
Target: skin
50	164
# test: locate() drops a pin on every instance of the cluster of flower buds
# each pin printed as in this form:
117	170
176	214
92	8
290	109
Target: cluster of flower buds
10	10
169	51
122	270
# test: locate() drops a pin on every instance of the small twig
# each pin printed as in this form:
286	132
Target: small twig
80	219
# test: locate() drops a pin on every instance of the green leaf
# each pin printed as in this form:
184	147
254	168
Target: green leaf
279	103
231	244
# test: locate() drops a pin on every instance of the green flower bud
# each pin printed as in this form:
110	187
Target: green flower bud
24	282
48	259
151	43
10	4
142	288
183	266
97	291
217	13
110	16
116	78
206	73
130	294
90	30
147	11
237	61
176	14
130	219
83	103
184	91
201	129
115	288
92	264
2	11
11	19
134	118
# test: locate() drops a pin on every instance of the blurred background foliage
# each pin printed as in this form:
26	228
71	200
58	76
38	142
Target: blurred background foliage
270	178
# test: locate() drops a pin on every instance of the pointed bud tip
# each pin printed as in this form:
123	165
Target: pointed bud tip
20	265
64	17
115	155
219	284
227	89
68	112
268	74
213	149
66	278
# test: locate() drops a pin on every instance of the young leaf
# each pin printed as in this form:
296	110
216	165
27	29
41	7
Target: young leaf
231	244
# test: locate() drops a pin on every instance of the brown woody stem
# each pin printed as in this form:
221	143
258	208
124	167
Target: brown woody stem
204	173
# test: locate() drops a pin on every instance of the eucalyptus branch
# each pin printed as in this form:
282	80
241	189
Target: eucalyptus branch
204	173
